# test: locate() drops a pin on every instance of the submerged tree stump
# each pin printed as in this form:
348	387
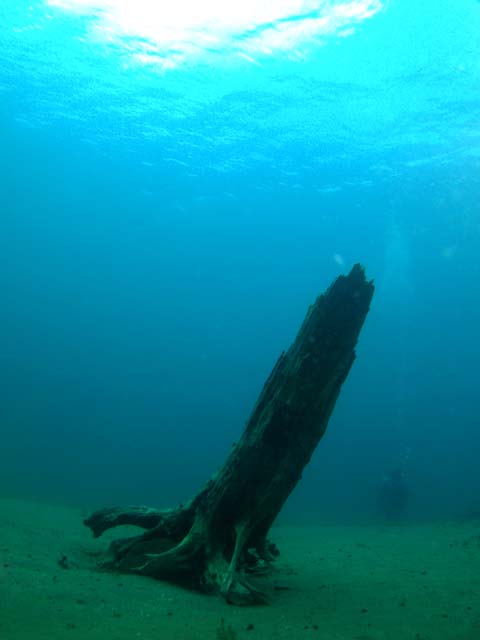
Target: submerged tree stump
218	541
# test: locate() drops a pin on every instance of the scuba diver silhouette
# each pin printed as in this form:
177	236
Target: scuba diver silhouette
393	495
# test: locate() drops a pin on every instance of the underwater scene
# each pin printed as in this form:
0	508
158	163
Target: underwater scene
240	311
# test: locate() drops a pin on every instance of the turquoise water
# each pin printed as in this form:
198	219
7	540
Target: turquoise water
178	185
391	87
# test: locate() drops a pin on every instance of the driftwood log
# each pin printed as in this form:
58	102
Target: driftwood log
218	541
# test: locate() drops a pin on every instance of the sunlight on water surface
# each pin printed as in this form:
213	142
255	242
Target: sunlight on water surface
169	34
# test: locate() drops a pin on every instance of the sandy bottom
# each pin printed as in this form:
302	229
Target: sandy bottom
341	583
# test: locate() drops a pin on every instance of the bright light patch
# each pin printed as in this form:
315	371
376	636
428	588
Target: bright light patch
170	33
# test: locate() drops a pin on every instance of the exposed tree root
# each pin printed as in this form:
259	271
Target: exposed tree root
218	541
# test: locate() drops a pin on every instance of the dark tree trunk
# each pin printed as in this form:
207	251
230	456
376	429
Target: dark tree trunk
218	541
